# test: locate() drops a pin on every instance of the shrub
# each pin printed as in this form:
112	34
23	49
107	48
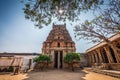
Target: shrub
42	61
71	59
41	58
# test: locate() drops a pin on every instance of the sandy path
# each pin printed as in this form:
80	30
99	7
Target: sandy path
96	76
13	77
57	75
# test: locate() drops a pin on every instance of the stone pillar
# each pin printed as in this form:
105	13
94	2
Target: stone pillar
99	54
96	58
93	60
53	57
110	59
90	60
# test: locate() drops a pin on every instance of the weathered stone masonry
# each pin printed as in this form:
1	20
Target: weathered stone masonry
102	54
57	44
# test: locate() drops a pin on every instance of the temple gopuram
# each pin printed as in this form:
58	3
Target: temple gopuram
58	44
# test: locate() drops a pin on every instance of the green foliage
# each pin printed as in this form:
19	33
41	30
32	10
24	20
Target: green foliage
42	57
71	57
48	9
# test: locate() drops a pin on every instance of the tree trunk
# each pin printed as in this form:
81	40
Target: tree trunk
72	65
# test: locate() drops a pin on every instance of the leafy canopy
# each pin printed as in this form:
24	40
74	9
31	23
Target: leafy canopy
42	11
41	58
71	57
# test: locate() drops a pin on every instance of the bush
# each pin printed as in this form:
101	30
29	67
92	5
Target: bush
42	61
71	59
42	58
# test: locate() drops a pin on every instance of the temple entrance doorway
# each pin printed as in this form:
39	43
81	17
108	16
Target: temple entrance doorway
58	59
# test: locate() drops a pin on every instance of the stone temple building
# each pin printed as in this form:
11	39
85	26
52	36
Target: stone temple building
57	44
103	56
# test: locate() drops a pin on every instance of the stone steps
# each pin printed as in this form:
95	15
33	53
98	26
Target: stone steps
111	73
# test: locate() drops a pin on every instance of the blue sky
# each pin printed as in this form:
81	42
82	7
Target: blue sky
20	35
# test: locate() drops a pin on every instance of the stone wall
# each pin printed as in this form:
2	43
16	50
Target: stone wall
83	60
114	66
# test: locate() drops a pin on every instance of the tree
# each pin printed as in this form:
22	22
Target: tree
42	57
42	60
42	11
72	58
101	27
111	17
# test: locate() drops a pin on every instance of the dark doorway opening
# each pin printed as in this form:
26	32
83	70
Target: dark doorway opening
113	55
61	59
56	59
104	56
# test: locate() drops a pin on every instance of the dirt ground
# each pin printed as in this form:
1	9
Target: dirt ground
57	75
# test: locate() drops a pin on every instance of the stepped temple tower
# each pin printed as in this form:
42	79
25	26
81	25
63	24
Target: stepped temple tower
58	44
